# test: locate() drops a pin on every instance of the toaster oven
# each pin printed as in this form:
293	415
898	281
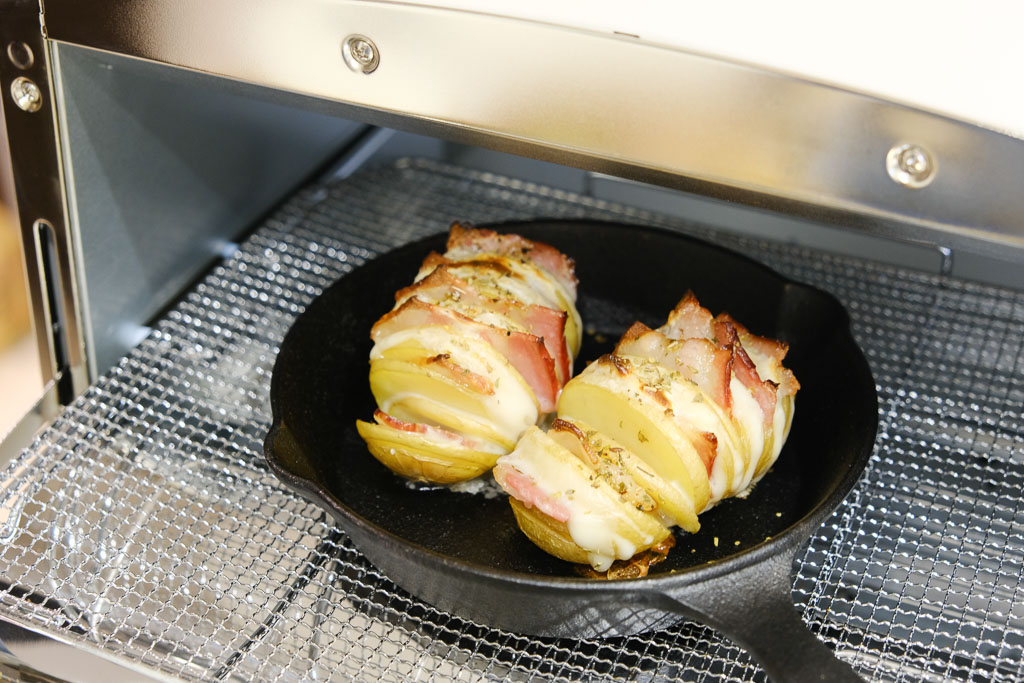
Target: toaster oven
190	176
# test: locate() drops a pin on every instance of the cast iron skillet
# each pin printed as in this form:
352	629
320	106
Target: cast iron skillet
463	553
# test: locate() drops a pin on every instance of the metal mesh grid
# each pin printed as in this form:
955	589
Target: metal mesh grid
144	522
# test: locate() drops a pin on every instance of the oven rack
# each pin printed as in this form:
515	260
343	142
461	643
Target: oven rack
144	524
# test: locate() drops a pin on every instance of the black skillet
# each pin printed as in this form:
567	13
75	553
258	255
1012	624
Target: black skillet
463	552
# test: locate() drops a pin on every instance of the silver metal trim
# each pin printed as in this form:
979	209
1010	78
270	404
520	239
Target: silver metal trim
40	415
606	102
46	653
75	237
39	188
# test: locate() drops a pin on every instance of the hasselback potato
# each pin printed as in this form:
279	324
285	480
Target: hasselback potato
473	353
651	436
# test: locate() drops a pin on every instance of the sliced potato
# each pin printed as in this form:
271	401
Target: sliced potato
461	364
407	382
448	352
749	420
410	349
788	410
423	458
694	411
641	425
615	463
767	355
548	534
780	432
423	407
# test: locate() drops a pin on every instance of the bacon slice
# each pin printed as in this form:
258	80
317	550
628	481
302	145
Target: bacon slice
764	391
689	320
788	385
465	241
706	445
523	489
769	348
444	288
697	360
766	349
433	431
460	375
526	352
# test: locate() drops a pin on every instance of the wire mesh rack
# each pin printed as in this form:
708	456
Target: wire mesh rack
144	522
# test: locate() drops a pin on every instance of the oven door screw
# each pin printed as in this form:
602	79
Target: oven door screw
910	165
26	94
360	54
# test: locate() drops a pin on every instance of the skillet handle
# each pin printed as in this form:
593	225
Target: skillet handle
754	607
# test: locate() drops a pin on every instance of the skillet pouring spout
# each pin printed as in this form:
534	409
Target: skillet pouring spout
464	553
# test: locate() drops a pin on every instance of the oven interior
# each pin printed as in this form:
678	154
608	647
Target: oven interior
142	528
